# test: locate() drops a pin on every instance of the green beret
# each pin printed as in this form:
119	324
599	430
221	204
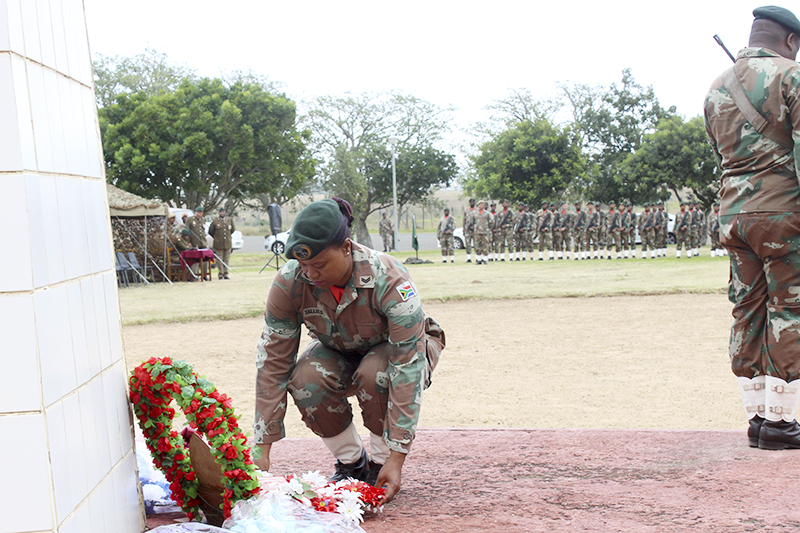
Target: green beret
185	231
199	208
313	229
782	16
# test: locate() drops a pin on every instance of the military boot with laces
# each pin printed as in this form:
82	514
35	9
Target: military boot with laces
359	470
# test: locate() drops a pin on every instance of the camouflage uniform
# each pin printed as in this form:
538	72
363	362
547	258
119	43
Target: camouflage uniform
469	231
445	234
683	224
647	232
602	238
579	220
520	229
376	343
504	222
660	230
713	232
592	234
222	229
387	233
613	232
530	231
624	230
760	227
562	234
483	228
697	228
545	229
494	243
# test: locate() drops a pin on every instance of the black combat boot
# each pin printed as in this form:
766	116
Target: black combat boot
374	470
359	470
754	430
780	435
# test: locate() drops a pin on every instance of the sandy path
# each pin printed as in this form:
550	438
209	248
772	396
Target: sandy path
616	362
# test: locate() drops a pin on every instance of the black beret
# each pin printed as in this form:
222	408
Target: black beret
782	16
313	229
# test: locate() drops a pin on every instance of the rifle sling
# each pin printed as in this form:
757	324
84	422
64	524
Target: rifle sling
763	126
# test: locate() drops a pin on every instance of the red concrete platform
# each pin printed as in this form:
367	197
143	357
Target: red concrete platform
513	480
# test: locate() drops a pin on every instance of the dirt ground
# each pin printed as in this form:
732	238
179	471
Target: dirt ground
608	362
568	414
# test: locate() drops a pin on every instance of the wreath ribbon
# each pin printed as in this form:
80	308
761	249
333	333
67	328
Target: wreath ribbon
153	386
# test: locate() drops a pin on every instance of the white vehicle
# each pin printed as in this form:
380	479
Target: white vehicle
276	243
458	238
237	239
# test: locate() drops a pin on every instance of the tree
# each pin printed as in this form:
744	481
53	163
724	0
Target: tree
205	143
612	123
675	157
350	135
149	72
529	162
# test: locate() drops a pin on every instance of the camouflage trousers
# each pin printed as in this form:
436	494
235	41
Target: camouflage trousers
520	242
714	236
764	287
695	237
683	237
660	237
469	241
446	242
614	237
580	241
545	240
506	236
648	239
323	379
495	247
561	240
387	241
482	244
625	239
593	239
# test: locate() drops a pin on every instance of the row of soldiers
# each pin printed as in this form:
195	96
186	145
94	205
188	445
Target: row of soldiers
589	234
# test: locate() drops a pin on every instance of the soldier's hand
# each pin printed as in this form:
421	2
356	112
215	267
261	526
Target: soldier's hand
390	474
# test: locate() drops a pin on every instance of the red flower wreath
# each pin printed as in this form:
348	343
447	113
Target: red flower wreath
154	384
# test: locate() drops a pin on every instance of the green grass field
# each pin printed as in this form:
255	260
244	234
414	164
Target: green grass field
245	294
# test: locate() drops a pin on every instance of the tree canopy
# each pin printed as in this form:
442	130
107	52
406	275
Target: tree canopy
351	133
205	143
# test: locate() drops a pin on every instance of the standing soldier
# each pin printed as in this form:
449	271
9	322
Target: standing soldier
494	242
624	227
469	229
445	234
483	228
539	215
545	230
694	229
387	233
602	238
592	231
505	223
564	231
713	231
647	231
631	229
222	229
197	230
683	231
702	228
579	233
613	230
660	220
520	222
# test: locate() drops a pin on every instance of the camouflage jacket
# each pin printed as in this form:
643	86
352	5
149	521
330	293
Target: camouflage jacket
625	221
380	304
613	221
469	219
646	221
520	222
483	222
683	221
385	227
579	220
713	222
758	175
446	225
593	220
504	219
565	222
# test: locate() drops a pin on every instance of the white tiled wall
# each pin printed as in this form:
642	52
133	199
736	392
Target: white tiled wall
65	423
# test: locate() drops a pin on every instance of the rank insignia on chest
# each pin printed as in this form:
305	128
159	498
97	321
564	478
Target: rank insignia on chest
406	290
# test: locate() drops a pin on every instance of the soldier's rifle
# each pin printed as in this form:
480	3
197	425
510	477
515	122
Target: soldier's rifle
545	221
719	42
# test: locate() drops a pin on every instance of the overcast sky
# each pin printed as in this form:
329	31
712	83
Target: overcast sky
463	54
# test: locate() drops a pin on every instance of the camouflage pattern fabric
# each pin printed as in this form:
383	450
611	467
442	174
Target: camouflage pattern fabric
483	225
592	231
387	233
376	343
519	229
562	234
445	233
504	222
660	231
625	232
695	229
647	230
613	231
760	212
546	231
469	228
713	230
683	233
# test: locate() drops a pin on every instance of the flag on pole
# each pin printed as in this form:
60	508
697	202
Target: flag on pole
414	241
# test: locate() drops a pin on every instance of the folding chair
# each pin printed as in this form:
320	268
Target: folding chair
122	275
126	268
134	263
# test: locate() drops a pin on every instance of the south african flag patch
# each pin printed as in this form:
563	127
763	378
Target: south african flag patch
406	290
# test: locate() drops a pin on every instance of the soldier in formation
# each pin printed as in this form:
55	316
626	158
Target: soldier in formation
683	231
504	223
469	229
520	232
444	232
613	230
387	233
647	232
483	229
